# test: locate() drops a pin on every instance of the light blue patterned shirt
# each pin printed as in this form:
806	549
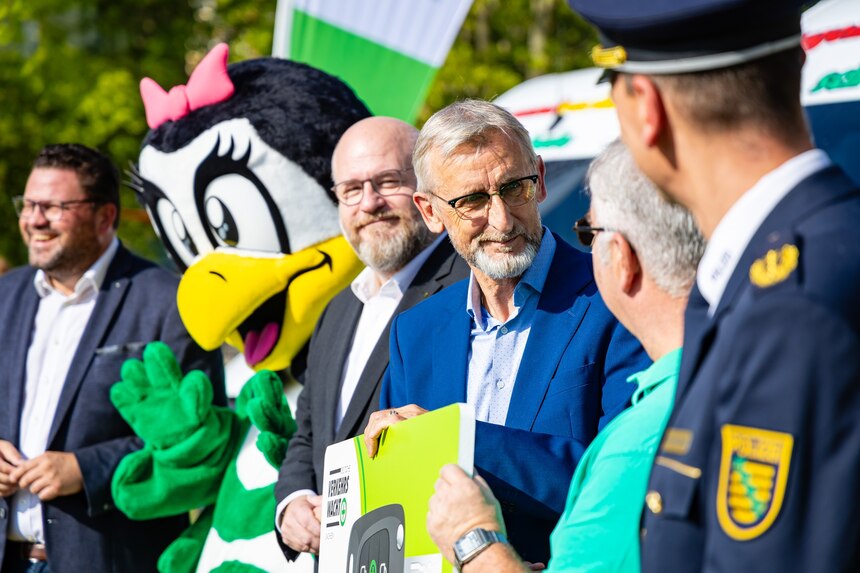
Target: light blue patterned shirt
495	348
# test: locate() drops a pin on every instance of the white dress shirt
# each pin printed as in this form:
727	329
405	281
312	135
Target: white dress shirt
379	303
737	227
57	330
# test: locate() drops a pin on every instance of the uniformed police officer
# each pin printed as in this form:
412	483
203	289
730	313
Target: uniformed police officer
760	465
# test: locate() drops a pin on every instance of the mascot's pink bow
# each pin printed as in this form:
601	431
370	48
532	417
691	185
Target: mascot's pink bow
208	84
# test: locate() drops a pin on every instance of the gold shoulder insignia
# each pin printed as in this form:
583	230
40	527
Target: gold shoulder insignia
775	266
753	474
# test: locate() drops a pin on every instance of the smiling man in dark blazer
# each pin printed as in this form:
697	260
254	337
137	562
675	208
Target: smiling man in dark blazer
70	319
348	355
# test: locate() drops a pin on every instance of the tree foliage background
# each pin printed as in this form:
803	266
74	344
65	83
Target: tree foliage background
69	71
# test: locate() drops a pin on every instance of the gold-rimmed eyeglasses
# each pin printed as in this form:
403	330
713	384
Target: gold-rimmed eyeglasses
477	204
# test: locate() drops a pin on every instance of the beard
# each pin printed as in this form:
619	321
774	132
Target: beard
389	250
506	265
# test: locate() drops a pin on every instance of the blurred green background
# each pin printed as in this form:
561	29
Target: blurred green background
69	71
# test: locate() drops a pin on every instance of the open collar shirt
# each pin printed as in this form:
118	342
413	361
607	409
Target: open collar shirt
57	331
496	348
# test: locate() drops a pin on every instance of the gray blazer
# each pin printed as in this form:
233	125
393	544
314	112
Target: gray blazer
329	348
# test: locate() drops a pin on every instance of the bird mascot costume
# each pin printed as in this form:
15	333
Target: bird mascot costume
235	176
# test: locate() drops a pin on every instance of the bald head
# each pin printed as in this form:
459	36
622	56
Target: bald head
374	180
374	137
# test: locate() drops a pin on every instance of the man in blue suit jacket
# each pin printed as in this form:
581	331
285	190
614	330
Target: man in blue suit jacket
526	340
70	320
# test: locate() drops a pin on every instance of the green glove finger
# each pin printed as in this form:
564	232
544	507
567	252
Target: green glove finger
195	392
132	388
267	405
161	367
273	447
267	386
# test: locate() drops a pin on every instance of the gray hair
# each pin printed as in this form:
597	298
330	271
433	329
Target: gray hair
664	235
466	122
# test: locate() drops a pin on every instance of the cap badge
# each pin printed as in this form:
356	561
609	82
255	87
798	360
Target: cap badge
608	57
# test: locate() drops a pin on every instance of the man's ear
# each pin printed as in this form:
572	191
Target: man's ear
541	190
650	109
625	264
428	211
105	215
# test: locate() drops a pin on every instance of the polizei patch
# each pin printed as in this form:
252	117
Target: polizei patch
753	473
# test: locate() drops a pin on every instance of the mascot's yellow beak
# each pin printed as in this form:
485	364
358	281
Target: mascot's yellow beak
266	306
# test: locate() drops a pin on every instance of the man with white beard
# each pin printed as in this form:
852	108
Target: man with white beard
348	353
526	341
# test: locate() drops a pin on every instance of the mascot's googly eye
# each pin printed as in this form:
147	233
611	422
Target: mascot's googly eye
176	232
237	215
222	222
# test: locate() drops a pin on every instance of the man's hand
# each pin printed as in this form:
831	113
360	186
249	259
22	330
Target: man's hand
379	421
10	458
300	524
51	475
459	505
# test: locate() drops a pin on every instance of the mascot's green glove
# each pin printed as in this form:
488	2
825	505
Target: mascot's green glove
188	441
262	399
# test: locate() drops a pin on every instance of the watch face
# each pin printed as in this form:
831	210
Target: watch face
466	546
472	543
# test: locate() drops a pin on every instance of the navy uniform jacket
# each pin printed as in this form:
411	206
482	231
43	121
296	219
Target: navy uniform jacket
760	464
136	305
572	381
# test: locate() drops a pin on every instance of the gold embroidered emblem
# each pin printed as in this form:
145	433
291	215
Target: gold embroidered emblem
608	57
753	474
775	266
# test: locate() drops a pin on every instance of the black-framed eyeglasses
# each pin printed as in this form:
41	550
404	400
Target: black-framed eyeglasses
477	204
386	182
53	212
586	234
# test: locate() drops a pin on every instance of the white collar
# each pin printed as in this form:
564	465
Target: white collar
737	227
366	286
90	281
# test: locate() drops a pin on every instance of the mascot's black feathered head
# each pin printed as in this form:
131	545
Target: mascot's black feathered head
236	176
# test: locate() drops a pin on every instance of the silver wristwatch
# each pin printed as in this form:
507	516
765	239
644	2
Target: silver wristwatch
473	543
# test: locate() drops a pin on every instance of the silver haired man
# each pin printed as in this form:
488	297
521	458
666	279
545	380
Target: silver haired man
647	251
526	341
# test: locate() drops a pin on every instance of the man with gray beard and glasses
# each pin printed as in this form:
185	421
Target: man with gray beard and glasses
348	353
526	341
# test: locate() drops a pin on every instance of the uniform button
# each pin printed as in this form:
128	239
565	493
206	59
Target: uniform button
654	501
500	384
504	330
106	506
2	513
642	533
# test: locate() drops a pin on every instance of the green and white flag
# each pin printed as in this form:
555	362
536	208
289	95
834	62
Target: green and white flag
388	51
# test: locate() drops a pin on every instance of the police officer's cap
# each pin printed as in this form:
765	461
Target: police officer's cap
681	36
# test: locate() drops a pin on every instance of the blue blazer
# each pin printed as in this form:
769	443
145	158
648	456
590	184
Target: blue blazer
572	381
136	305
775	369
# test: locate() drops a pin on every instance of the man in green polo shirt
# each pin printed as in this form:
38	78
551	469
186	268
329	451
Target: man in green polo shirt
646	253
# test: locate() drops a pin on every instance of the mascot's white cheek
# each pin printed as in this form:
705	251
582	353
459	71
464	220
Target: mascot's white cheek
251	467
